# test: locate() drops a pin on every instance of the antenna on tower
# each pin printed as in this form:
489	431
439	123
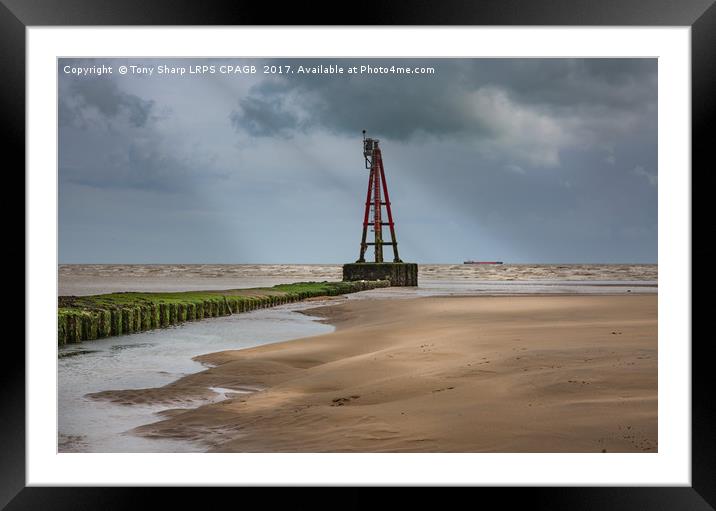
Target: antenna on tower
368	145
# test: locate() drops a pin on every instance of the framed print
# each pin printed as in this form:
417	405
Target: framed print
438	247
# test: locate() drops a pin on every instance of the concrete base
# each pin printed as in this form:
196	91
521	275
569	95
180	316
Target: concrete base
399	274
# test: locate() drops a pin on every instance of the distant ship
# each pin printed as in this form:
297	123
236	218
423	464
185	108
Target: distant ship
482	262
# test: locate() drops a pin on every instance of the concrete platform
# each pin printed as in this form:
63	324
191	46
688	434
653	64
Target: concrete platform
399	274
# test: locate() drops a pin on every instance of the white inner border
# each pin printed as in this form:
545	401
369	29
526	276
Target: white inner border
670	466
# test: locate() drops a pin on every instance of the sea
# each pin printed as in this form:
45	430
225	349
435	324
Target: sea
158	357
89	279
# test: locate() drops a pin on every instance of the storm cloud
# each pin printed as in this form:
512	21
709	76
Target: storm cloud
531	109
99	99
522	160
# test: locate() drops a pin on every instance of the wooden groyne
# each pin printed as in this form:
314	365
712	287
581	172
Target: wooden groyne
83	318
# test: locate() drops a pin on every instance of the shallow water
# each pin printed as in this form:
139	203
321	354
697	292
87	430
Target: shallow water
158	357
151	359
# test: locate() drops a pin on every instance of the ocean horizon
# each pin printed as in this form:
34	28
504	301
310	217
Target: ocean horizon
88	279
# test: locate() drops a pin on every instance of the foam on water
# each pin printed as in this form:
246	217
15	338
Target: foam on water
95	279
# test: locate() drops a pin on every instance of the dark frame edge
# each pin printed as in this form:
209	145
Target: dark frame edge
395	12
702	495
703	116
12	130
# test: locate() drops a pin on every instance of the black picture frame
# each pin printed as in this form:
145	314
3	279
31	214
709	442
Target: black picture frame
700	15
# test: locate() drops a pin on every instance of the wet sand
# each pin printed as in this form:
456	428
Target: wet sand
435	374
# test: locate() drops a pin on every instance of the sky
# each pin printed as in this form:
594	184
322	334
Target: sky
517	160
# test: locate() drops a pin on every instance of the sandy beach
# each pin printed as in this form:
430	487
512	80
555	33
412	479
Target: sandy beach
433	374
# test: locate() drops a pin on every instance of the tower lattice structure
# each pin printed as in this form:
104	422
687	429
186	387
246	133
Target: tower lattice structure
376	199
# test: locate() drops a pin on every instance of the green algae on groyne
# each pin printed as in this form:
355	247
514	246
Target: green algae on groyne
83	318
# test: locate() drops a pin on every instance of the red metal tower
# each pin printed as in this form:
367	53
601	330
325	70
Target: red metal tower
374	204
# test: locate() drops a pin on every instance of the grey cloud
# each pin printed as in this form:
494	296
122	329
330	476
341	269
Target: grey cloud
111	138
89	97
439	104
264	117
603	83
652	179
529	108
395	107
141	165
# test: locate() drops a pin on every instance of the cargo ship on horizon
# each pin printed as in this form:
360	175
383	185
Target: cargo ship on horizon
482	262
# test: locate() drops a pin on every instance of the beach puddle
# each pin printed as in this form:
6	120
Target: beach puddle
153	359
223	394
